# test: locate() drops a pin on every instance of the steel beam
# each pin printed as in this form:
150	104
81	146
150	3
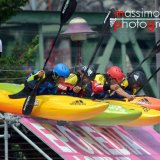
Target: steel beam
47	17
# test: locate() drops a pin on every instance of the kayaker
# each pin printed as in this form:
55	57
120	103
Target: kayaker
50	81
133	82
76	83
104	84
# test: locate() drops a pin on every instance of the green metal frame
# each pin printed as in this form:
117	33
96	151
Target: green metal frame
124	37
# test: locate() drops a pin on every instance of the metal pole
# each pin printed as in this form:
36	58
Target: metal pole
124	54
40	62
6	139
79	54
5	135
1	126
33	4
30	142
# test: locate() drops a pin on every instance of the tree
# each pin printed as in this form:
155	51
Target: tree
9	8
20	55
25	56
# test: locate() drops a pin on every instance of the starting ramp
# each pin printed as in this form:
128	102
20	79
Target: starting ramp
78	141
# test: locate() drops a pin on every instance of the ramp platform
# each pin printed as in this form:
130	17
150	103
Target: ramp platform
79	141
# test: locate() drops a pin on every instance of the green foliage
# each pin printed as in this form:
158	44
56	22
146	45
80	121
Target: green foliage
26	53
12	68
9	8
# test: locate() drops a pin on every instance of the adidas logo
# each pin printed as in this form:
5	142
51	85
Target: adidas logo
143	101
78	102
145	108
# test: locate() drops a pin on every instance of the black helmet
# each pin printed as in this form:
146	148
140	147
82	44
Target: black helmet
137	78
91	72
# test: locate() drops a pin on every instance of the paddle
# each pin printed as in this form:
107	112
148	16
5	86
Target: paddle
105	28
147	81
67	11
155	50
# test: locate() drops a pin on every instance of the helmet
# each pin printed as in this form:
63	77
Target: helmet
90	72
61	70
137	78
116	73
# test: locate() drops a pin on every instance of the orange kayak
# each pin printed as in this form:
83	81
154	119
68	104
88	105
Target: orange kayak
149	102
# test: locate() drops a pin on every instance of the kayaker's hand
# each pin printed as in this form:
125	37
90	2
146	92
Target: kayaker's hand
77	89
131	97
41	74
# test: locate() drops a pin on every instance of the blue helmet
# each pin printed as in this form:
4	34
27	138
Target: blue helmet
61	70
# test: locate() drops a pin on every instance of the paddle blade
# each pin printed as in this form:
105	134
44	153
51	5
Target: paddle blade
67	10
29	103
30	100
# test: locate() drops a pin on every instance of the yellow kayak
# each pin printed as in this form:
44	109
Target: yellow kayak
148	117
55	107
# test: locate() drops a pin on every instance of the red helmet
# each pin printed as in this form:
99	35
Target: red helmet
116	73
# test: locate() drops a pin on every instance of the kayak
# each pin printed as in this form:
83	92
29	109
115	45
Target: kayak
115	115
153	103
55	107
145	101
148	117
11	87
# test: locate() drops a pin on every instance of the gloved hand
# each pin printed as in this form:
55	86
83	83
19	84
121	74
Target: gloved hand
131	97
77	89
41	74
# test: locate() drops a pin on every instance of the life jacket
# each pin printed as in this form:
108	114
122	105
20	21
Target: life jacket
127	87
68	85
98	83
65	88
73	80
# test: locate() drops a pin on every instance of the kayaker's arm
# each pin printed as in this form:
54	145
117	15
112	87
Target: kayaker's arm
36	76
121	92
